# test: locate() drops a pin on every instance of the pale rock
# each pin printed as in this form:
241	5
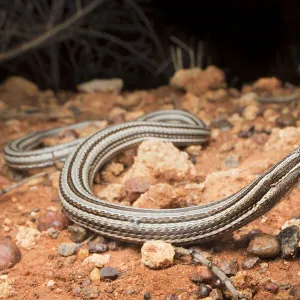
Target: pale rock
27	237
160	195
98	260
112	192
101	85
250	112
95	275
157	254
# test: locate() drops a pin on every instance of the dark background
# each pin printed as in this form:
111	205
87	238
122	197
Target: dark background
247	39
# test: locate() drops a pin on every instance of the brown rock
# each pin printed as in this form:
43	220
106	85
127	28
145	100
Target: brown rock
249	262
203	275
230	267
52	219
216	294
264	245
137	185
160	195
20	84
267	83
272	287
10	254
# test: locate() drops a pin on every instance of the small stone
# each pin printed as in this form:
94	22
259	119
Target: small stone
193	150
264	245
295	291
51	284
66	249
216	294
78	233
246	133
230	267
95	275
157	254
285	120
10	254
109	273
76	291
83	253
98	260
52	219
250	112
217	283
222	123
203	291
147	296
231	161
86	282
27	237
203	275
70	259
97	247
172	297
53	233
249	262
272	287
90	292
264	266
136	185
289	239
285	286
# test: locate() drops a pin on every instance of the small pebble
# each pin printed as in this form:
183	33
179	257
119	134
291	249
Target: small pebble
67	249
78	233
52	219
221	123
247	133
216	294
295	291
249	262
76	291
289	239
264	266
217	283
157	254
108	273
285	286
95	275
97	247
272	287
98	260
51	284
27	237
172	297
53	233
203	291
70	259
250	112
285	120
230	267
86	282
10	254
264	245
147	296
203	275
90	292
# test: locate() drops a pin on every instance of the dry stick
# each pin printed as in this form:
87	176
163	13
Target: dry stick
16	185
221	275
45	36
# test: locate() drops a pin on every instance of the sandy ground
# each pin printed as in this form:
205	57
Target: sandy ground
229	161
